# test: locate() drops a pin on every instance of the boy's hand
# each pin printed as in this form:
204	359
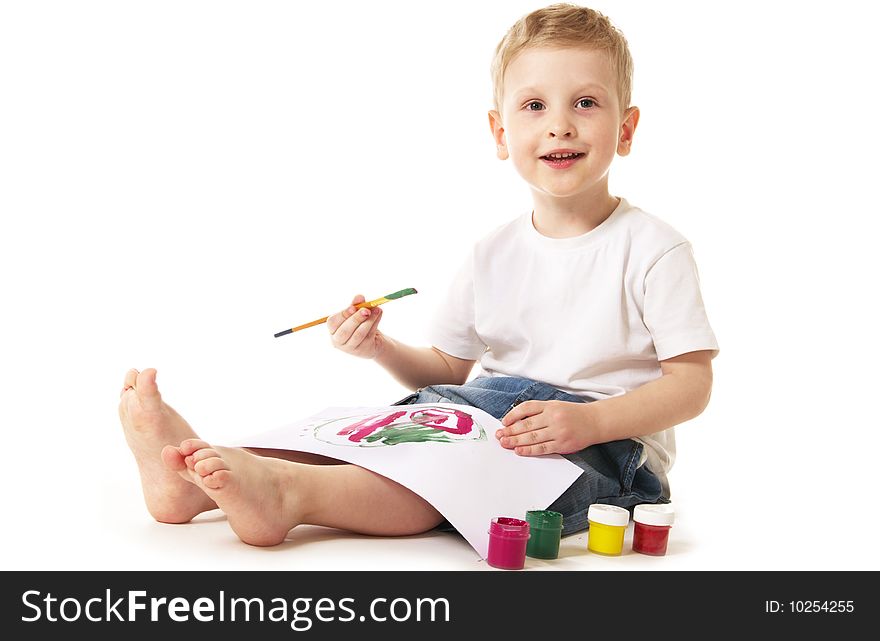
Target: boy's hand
534	428
355	332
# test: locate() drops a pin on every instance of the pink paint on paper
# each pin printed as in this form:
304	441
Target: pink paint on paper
436	417
367	426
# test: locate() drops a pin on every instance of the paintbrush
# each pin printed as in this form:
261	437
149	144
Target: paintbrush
370	304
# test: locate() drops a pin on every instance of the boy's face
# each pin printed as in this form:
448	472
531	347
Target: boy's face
562	99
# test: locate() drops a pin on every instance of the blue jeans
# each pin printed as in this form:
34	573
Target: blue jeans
611	472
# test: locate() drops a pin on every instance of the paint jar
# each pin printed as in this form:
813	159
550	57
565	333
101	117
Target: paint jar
607	527
545	529
507	543
652	523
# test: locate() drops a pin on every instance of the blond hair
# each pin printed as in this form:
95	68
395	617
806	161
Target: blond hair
565	25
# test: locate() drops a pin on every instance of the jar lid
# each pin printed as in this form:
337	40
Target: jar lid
608	514
544	519
509	528
649	514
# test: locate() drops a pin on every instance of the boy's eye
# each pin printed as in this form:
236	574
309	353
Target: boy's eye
583	103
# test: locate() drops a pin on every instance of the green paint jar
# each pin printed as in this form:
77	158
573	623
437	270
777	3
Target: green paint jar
546	529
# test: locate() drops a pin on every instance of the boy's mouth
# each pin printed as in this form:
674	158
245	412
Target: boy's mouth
561	160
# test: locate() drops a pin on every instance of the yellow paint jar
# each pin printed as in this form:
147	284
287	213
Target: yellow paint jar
607	527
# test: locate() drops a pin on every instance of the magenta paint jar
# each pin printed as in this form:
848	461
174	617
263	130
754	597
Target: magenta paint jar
508	539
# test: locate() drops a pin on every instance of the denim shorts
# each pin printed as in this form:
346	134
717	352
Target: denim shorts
611	472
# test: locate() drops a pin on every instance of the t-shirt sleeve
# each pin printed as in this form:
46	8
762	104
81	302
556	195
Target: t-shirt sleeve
674	311
452	329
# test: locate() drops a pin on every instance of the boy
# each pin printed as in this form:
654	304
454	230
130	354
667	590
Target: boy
585	314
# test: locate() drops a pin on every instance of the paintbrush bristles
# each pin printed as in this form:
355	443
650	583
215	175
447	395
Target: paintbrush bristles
401	293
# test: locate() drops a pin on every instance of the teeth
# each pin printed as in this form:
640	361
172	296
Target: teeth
561	156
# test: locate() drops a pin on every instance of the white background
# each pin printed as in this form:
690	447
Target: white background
181	180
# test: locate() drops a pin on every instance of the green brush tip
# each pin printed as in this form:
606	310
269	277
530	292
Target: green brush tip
401	293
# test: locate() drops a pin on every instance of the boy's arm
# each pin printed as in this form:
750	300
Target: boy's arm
680	394
544	427
417	367
357	332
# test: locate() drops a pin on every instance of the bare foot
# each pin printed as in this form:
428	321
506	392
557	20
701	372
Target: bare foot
256	493
150	425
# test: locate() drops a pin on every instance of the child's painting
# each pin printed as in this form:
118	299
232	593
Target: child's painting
446	453
424	425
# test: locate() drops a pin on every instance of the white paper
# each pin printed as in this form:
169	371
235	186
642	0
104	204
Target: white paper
445	452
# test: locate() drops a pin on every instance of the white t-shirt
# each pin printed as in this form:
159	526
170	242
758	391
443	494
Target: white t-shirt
591	315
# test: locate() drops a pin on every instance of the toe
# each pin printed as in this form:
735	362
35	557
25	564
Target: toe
205	452
210	465
129	380
172	458
146	388
218	479
191	445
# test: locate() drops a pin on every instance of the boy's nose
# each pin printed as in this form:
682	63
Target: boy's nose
561	128
562	133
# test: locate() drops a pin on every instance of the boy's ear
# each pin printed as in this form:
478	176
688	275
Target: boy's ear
498	134
627	131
